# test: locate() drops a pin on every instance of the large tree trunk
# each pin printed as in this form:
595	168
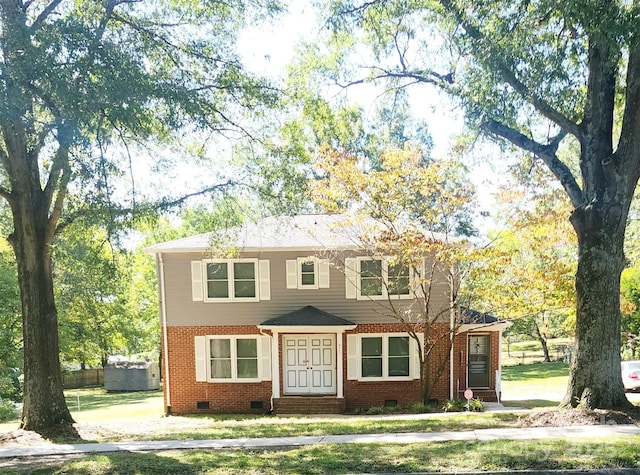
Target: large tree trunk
44	403
595	377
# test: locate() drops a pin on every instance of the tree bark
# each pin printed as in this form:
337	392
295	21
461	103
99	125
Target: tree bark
595	379
44	403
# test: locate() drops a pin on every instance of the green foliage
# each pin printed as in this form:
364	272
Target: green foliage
461	405
10	327
630	291
110	299
8	411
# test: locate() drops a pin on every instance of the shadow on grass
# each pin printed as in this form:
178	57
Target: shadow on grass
126	462
530	403
535	371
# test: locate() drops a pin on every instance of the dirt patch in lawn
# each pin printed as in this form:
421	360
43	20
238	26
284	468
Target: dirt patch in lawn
578	417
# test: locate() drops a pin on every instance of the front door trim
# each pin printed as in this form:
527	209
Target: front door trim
309	364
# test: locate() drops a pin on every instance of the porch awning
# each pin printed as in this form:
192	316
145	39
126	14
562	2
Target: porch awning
307	317
474	320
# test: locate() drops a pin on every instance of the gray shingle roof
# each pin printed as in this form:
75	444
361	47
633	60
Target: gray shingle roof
308	231
307	316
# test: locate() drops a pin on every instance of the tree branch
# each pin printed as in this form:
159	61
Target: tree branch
545	152
631	116
44	14
509	76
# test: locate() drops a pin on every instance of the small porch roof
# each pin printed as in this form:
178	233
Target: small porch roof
475	320
308	316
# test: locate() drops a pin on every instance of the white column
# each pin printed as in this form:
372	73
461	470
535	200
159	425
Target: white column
275	364
339	366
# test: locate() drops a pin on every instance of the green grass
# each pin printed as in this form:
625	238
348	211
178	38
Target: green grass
452	456
523	385
98	405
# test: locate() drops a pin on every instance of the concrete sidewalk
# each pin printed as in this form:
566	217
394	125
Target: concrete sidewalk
533	433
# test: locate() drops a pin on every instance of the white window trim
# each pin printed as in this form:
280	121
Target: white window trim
234	360
321	271
300	261
385	281
230	275
413	356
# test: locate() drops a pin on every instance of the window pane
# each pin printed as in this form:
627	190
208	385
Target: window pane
370	286
399	366
372	346
217	270
371	367
245	289
244	270
399	346
247	348
220	348
398	279
371	268
218	289
307	266
248	368
220	368
308	279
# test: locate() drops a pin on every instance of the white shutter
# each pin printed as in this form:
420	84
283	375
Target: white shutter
351	277
323	273
352	357
414	353
265	357
265	281
197	288
201	358
292	274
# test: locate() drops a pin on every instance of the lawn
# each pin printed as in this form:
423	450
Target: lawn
452	456
138	416
534	385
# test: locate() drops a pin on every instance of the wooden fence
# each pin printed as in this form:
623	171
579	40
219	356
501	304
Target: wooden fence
84	378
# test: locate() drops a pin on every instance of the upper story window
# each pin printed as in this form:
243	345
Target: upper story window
375	278
230	280
307	273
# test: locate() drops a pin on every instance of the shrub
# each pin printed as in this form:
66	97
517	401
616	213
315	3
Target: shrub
10	384
460	405
8	411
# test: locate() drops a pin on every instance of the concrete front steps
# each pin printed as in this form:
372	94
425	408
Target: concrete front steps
308	405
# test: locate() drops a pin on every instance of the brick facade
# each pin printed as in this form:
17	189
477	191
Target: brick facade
189	396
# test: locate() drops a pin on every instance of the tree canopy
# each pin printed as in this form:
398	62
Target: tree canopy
87	89
540	76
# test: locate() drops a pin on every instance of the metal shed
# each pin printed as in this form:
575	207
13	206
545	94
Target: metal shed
131	376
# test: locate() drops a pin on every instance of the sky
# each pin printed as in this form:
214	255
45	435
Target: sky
269	48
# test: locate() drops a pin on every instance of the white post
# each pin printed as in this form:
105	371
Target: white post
339	366
275	364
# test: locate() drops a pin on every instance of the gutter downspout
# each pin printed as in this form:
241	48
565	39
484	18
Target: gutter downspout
165	338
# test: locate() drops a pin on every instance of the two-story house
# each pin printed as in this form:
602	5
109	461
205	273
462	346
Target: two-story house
294	322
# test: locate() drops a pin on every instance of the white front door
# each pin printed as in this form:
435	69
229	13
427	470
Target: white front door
309	364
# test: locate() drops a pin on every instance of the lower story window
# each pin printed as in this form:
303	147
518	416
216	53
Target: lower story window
385	356
233	358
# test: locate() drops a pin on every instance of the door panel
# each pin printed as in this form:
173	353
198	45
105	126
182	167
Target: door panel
309	364
478	365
